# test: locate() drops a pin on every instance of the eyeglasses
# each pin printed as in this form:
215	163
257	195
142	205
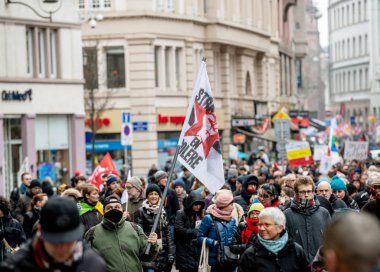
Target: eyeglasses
264	196
128	187
305	192
265	225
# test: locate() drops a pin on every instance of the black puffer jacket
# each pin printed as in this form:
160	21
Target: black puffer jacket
336	203
165	257
244	198
187	254
24	260
237	246
306	226
289	259
30	219
11	230
171	205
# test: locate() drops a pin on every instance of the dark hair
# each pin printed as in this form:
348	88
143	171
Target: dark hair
272	189
5	205
288	191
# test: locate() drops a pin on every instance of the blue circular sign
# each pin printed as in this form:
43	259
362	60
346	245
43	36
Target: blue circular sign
127	130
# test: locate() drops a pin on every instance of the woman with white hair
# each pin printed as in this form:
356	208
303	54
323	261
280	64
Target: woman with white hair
273	250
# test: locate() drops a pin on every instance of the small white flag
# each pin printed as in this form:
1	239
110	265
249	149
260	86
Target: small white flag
23	168
200	150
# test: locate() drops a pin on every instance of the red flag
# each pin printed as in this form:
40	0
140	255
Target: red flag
105	166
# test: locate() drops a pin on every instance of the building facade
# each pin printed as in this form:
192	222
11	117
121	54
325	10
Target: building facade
148	54
41	105
350	53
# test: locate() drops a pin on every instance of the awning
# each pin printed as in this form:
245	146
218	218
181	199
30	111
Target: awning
267	136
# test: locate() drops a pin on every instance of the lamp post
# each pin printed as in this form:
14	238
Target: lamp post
55	5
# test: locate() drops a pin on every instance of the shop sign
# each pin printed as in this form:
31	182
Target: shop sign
169	143
140	126
16	95
174	119
104	146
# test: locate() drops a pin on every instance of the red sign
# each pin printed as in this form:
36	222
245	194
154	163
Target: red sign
174	119
301	122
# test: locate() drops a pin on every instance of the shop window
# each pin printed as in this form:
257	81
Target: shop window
90	68
115	68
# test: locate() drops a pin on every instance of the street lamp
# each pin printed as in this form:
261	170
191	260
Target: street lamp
55	5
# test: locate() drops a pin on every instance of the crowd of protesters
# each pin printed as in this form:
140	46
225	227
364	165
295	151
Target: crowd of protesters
264	218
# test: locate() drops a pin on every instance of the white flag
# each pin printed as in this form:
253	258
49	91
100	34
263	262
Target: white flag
200	150
24	167
124	196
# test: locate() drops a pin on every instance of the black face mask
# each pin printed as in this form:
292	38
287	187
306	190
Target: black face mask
114	216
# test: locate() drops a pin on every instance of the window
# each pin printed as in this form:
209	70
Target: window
96	3
248	87
374	112
354	82
115	68
359	11
360	79
348	48
354	47
81	4
107	3
53	53
360	46
366	79
40	61
365	44
353	13
90	68
29	51
343	17
343	50
349	81
348	14
41	52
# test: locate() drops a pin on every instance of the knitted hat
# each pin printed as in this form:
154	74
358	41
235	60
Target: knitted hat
160	175
179	182
224	198
256	206
111	178
135	182
152	188
337	184
34	183
232	172
373	179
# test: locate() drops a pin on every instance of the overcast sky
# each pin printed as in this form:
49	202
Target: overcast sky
323	21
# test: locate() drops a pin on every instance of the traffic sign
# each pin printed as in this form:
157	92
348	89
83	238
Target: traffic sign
126	129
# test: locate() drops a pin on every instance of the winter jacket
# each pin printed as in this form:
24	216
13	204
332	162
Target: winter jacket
133	208
336	203
22	205
171	205
237	246
90	215
289	259
11	230
207	231
165	258
350	202
373	207
362	197
306	226
30	219
121	245
24	260
187	254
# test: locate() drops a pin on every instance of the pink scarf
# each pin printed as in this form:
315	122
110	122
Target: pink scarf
224	215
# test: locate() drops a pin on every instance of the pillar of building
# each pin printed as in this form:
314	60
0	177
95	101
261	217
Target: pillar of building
143	104
78	148
28	136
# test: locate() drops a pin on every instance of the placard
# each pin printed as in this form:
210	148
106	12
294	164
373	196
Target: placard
356	151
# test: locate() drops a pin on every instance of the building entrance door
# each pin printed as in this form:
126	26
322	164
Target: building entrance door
13	152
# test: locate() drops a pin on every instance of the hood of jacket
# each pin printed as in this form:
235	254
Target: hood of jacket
191	199
246	180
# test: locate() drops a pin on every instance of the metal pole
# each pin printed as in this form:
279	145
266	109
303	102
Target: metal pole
158	215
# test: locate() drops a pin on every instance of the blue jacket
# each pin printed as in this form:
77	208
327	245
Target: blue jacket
207	230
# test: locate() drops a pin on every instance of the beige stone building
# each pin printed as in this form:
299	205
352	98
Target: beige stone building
148	54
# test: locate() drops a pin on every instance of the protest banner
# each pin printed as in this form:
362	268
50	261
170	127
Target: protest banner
319	152
299	154
356	151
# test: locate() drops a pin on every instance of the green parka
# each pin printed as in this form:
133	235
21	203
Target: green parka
121	245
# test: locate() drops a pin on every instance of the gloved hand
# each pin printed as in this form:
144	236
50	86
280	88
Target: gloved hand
171	258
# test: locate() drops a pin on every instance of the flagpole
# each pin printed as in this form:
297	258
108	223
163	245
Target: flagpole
158	215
